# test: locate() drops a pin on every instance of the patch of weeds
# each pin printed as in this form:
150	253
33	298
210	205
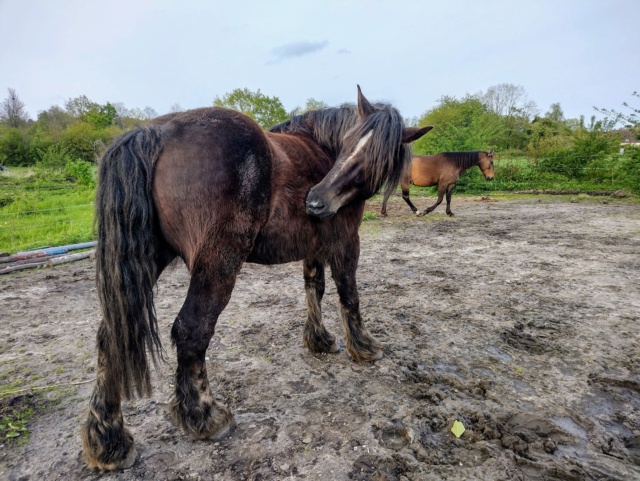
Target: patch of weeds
370	216
59	370
17	410
14	416
518	369
12	386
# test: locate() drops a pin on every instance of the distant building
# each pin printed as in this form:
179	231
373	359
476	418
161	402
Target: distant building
629	139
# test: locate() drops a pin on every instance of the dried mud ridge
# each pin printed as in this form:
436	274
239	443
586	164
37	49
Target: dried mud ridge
517	318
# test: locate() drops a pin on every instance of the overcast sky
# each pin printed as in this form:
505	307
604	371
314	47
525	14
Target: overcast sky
142	53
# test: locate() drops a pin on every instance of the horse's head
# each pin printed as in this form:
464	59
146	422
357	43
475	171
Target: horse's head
486	164
373	152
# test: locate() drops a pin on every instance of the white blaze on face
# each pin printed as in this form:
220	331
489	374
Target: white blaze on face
359	146
361	143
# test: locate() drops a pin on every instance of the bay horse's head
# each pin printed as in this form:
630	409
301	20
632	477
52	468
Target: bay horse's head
486	164
372	153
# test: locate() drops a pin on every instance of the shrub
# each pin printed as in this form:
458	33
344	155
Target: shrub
81	172
54	157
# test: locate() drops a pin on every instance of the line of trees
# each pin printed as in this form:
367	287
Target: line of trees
502	118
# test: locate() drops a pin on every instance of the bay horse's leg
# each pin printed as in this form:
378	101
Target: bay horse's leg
383	211
316	337
360	344
405	185
213	276
442	188
449	192
405	196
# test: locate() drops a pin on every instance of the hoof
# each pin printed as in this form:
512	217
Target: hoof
110	456
367	357
126	463
207	419
370	352
320	344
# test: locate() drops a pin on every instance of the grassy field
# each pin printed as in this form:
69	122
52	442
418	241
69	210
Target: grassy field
37	210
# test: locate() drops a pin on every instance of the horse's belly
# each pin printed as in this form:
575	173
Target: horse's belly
279	246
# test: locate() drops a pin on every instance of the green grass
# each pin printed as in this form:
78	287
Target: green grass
42	208
38	210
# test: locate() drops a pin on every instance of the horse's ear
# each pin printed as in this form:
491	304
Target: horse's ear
364	107
490	153
409	134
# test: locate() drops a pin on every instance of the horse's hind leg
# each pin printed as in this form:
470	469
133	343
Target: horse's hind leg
441	192
213	276
405	196
383	210
449	191
360	344
316	337
107	444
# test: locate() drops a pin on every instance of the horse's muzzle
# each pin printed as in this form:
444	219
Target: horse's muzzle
317	209
489	178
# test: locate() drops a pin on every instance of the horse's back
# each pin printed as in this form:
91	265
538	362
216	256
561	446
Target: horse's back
426	170
213	174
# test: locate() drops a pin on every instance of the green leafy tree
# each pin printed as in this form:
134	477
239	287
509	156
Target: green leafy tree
101	116
465	124
313	104
79	139
555	112
265	110
78	107
15	147
547	136
53	121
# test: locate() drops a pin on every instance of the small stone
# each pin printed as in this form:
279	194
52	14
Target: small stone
307	439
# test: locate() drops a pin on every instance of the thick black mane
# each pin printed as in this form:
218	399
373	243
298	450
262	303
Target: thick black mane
327	126
464	160
386	154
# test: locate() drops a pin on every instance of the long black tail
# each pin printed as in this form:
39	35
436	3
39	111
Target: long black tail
125	260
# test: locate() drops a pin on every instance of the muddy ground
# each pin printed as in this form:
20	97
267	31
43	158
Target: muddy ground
519	318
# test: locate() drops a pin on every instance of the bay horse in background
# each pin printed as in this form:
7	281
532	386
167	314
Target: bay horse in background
443	170
211	187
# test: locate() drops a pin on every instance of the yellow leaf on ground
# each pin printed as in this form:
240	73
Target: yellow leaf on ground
457	429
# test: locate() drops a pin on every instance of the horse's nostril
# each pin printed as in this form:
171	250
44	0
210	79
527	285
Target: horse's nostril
315	204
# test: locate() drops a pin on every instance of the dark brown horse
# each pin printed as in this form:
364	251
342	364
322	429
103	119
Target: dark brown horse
443	170
209	186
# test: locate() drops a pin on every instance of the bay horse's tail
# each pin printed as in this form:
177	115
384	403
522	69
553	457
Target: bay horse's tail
126	260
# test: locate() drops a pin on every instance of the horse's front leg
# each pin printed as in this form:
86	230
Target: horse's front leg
360	344
194	406
441	191
316	337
